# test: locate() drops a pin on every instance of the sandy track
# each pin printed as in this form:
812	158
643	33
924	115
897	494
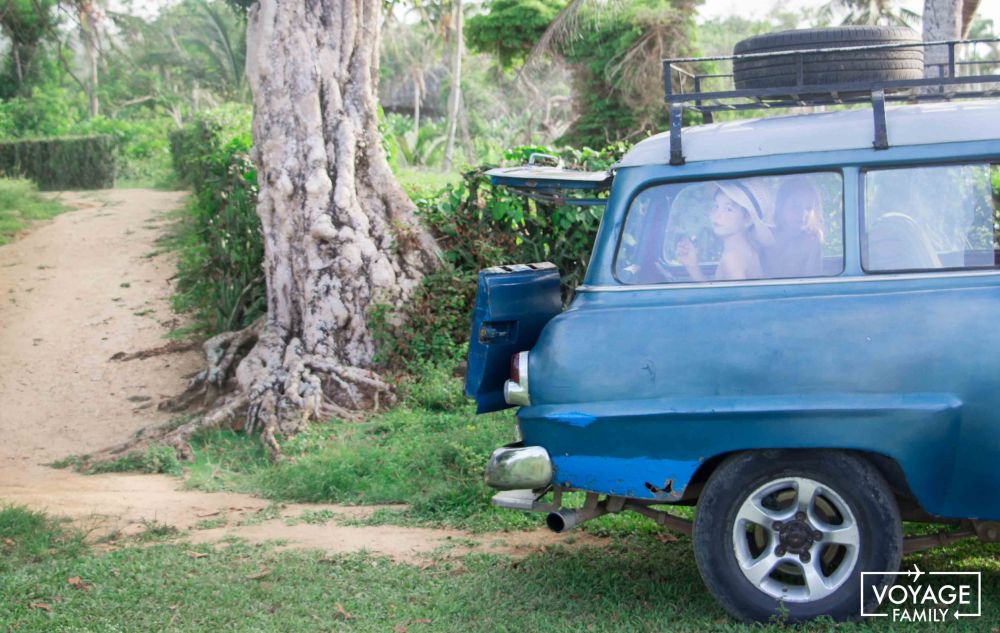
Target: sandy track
90	284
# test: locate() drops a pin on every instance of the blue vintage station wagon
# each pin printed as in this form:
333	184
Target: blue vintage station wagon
790	323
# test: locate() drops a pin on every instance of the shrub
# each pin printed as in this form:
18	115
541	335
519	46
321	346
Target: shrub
197	149
219	272
478	226
43	114
142	151
84	162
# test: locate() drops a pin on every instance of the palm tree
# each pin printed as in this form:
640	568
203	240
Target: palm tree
88	16
217	35
409	53
869	12
635	73
25	23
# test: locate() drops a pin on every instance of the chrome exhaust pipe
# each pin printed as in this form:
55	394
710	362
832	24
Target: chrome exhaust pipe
561	521
565	520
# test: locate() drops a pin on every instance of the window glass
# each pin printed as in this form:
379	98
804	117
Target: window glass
927	218
767	227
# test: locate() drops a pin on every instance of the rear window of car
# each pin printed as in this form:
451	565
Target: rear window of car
940	217
764	227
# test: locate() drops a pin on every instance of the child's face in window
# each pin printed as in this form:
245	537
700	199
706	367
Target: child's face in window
727	217
794	212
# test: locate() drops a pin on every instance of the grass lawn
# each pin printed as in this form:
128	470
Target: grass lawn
429	453
51	582
20	205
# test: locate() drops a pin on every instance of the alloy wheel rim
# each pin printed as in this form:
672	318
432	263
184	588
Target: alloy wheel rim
796	539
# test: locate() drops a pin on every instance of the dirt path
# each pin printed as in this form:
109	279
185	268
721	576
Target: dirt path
75	292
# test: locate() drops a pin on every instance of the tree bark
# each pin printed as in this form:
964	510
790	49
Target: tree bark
942	20
88	36
339	232
463	127
418	96
969	8
456	86
17	66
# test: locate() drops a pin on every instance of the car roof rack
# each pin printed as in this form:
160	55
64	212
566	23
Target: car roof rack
947	85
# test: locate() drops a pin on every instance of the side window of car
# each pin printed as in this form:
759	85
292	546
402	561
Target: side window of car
767	227
930	218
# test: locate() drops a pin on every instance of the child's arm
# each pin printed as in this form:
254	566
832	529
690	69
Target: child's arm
687	254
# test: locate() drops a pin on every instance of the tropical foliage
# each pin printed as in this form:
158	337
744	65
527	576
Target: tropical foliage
219	278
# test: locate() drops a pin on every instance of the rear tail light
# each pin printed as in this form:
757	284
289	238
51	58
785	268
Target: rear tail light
515	390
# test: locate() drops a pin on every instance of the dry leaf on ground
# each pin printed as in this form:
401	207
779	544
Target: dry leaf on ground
77	583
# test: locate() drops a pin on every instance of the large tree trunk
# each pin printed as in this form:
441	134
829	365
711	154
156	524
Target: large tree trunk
456	86
463	126
88	36
18	72
418	97
942	20
339	232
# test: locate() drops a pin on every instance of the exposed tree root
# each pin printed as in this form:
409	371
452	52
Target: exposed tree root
257	380
222	354
172	347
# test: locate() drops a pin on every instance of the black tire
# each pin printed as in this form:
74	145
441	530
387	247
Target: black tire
864	66
854	482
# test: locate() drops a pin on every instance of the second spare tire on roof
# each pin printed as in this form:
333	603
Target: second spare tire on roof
835	67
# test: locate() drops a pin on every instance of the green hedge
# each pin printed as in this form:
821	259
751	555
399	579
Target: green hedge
84	162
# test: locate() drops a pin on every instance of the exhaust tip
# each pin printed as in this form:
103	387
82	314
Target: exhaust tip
556	522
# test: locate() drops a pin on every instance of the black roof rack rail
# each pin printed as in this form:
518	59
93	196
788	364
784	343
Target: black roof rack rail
949	84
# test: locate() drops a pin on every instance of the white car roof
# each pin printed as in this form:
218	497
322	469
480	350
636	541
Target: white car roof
942	122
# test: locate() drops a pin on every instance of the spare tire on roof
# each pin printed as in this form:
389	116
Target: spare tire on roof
863	66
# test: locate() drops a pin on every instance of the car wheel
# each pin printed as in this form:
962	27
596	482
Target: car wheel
861	66
788	533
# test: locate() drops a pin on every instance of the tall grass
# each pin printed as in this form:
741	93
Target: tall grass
20	205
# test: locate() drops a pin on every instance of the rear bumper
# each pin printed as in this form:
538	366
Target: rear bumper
518	467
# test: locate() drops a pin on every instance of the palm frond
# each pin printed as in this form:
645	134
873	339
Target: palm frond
564	26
